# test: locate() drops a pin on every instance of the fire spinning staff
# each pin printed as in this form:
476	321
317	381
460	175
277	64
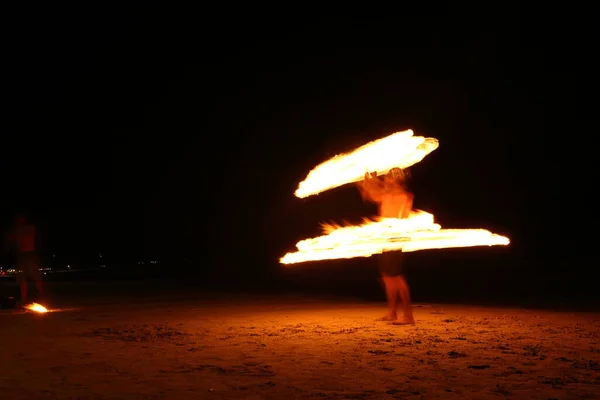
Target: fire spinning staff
418	232
400	149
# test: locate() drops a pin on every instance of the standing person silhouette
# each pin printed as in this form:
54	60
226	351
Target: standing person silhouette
22	243
394	201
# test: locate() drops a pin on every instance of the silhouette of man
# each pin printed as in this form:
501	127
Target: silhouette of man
22	243
394	201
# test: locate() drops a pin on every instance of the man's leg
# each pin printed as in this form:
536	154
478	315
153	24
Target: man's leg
35	274
23	286
39	285
391	294
400	283
386	268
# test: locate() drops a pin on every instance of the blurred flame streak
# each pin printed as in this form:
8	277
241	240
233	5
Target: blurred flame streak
36	307
400	149
418	232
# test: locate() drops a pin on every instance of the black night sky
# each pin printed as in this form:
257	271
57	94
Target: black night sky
185	135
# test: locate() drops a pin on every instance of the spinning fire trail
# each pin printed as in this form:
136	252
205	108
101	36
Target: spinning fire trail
418	232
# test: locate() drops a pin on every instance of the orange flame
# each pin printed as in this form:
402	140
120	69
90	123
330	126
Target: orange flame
36	307
400	149
418	232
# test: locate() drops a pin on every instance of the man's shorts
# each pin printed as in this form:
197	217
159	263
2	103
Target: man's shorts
28	267
391	263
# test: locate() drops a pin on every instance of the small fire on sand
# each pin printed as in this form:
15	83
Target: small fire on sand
35	307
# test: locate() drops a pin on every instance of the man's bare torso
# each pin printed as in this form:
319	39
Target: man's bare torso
395	204
392	199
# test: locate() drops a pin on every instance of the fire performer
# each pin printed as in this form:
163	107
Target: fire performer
394	201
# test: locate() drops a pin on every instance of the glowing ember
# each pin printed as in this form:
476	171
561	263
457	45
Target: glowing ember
36	307
418	232
400	149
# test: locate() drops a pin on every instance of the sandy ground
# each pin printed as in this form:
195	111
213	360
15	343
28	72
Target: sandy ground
295	348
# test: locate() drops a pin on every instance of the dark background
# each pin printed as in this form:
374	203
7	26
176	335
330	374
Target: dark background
182	135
